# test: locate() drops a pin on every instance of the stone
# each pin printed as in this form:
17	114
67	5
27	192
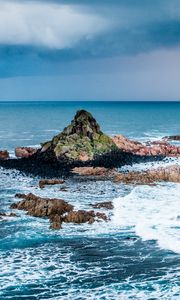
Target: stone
41	207
25	152
4	154
168	174
44	182
105	205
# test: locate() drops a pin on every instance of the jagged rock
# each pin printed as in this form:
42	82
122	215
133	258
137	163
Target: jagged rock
44	182
41	207
157	148
56	210
170	174
4	154
82	140
106	205
25	152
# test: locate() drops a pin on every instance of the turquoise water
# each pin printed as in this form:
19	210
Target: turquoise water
136	255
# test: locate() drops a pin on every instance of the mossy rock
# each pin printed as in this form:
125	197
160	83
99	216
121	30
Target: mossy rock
83	135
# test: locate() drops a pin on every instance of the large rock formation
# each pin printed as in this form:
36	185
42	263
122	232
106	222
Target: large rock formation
82	140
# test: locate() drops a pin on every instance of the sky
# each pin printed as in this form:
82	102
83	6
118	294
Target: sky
89	50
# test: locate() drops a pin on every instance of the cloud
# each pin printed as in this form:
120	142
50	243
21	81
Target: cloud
48	24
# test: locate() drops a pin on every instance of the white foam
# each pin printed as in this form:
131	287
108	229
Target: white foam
154	212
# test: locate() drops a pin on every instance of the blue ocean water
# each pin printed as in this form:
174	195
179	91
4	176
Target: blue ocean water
136	255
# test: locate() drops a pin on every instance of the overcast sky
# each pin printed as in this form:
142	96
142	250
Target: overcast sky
89	50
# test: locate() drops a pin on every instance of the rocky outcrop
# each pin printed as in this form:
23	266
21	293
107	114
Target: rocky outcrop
44	182
57	210
41	207
82	140
25	152
157	148
4	154
169	174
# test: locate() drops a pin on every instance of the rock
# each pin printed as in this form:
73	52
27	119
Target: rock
4	154
170	174
156	148
82	140
41	207
106	205
95	172
57	210
25	151
44	182
126	144
4	215
82	216
56	222
172	138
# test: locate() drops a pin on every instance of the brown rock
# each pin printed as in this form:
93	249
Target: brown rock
41	207
107	205
25	152
82	216
170	174
56	222
4	154
94	172
44	182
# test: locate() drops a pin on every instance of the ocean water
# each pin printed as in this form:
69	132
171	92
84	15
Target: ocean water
136	255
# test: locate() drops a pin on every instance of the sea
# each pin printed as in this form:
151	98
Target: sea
135	255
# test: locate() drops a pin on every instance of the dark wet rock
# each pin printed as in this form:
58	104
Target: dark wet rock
106	205
63	189
4	154
44	182
172	138
41	207
25	152
4	215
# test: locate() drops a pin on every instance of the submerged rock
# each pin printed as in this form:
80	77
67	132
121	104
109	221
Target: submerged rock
4	154
106	205
44	182
25	151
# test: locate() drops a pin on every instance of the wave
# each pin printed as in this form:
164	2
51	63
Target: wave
153	212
